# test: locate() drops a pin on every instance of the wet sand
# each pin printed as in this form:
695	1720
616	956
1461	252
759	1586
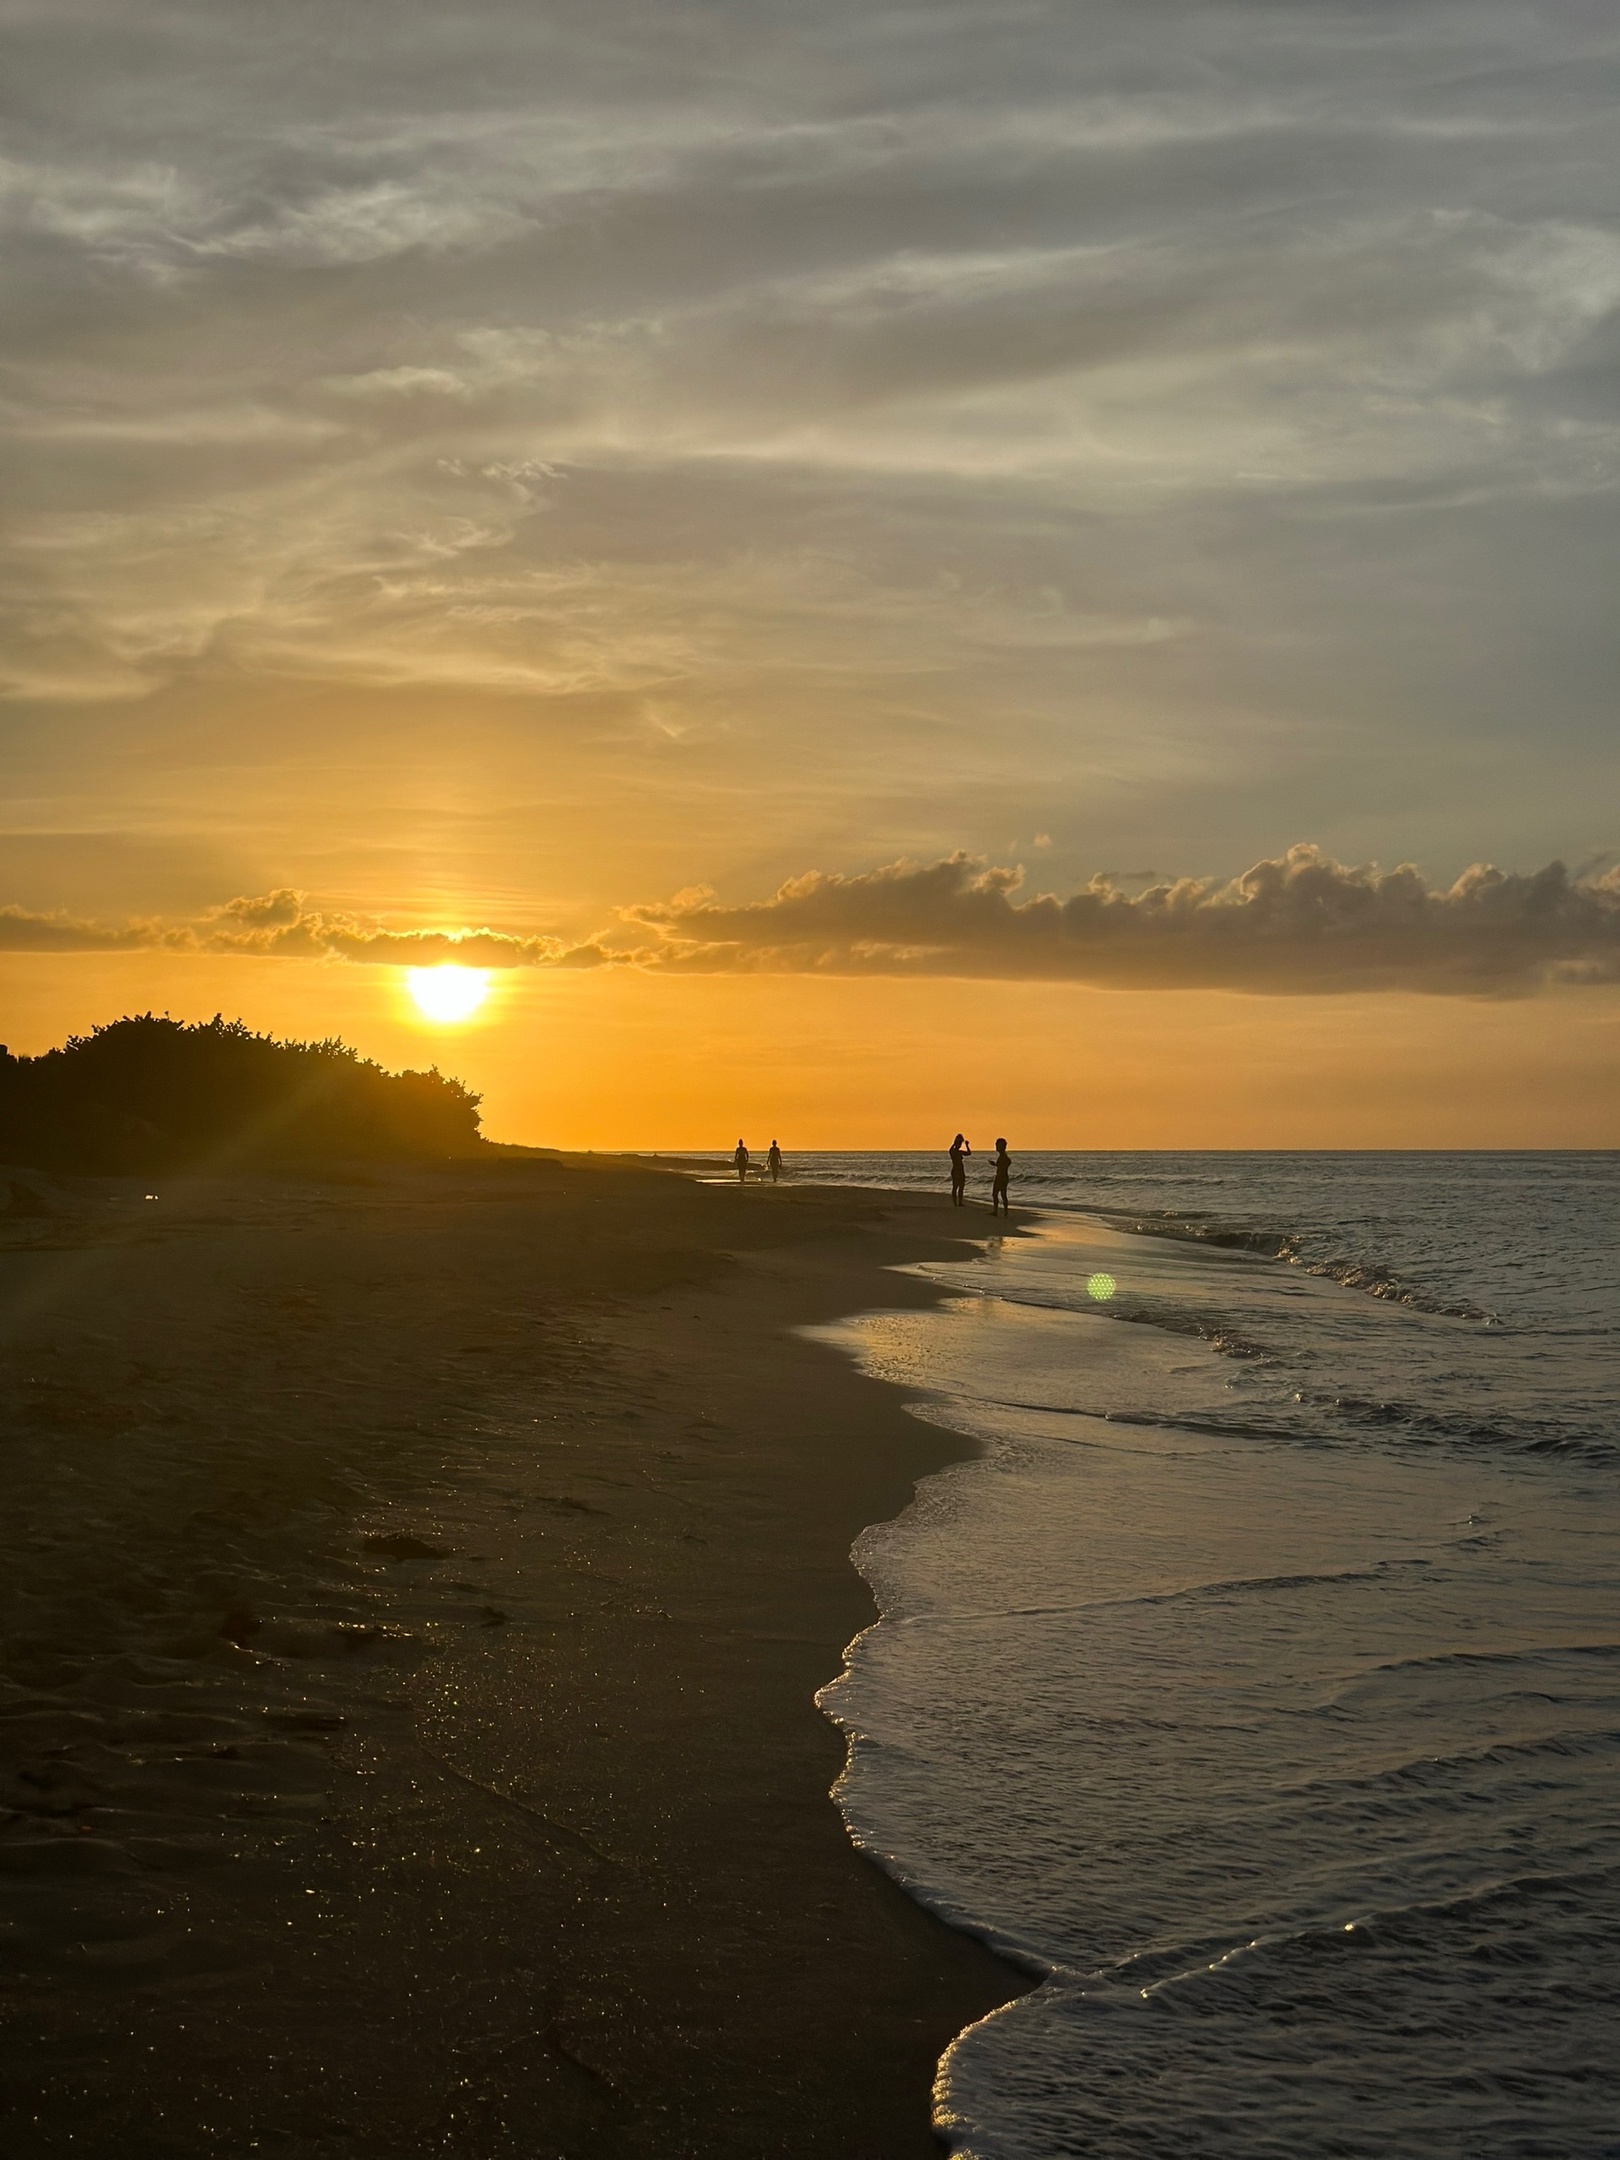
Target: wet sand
412	1594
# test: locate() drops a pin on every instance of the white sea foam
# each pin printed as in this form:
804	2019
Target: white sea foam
1278	1735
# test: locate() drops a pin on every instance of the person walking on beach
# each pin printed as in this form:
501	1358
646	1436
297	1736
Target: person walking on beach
773	1162
960	1151
741	1160
998	1183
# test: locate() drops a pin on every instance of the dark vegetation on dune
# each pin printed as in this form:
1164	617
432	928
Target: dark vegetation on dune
145	1094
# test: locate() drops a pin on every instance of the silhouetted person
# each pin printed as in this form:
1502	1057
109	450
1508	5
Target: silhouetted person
741	1160
998	1184
960	1151
773	1162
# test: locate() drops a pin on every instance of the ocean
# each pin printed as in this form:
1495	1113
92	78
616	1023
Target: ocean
1256	1684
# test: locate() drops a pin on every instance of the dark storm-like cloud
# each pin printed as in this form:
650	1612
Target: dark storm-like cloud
1297	924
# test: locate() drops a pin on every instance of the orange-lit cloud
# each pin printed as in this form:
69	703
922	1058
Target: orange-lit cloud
278	926
1301	923
1298	924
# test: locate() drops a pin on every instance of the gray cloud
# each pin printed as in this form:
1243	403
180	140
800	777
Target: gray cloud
23	930
279	926
1300	924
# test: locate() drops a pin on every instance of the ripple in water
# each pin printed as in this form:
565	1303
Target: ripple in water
1266	1700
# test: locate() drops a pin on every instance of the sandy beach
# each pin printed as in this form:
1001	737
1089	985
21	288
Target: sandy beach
415	1587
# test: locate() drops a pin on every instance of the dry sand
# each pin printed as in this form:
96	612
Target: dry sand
412	1594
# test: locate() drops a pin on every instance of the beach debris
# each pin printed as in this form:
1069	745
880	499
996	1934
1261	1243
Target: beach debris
401	1545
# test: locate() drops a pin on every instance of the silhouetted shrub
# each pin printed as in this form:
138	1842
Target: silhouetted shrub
145	1094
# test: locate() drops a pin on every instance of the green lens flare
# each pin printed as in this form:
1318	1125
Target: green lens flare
1101	1287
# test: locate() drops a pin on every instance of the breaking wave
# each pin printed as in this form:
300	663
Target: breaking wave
1256	1685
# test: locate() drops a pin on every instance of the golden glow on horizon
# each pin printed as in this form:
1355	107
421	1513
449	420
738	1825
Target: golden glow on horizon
612	1058
448	994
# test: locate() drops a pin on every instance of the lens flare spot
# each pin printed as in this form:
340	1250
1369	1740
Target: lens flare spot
1100	1287
448	993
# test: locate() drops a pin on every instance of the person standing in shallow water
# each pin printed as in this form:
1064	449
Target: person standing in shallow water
741	1160
773	1162
960	1151
998	1183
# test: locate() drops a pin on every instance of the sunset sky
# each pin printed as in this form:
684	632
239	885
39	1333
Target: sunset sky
737	503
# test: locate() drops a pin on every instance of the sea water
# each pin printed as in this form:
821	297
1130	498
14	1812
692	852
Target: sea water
1257	1683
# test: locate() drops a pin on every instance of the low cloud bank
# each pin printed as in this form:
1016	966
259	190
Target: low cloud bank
1301	923
1297	924
278	926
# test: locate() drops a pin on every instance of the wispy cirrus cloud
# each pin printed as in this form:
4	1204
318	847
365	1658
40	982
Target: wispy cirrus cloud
759	435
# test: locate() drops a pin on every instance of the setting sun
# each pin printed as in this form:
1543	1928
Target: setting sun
588	594
448	993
